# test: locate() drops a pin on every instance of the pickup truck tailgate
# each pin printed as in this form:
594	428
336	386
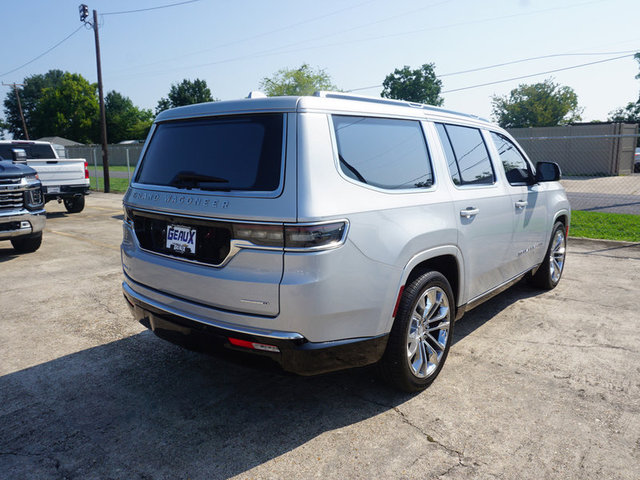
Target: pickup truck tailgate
62	171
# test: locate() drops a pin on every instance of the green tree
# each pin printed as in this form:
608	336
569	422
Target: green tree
125	121
631	112
30	94
69	110
186	92
420	85
298	81
544	104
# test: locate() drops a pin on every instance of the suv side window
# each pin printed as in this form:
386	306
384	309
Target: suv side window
383	152
515	165
467	155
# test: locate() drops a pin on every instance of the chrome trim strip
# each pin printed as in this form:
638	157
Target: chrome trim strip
199	217
236	245
497	290
275	334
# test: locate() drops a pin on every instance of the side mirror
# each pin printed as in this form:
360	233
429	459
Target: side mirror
547	172
19	155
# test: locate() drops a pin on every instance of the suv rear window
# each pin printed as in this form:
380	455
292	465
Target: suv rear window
239	152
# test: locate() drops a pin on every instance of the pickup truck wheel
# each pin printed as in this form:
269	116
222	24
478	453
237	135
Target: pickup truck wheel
74	204
549	273
27	244
421	335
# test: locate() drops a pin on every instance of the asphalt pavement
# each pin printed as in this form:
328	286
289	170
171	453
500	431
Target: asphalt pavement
602	202
537	384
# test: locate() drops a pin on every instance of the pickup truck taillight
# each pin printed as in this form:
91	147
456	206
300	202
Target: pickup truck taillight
86	169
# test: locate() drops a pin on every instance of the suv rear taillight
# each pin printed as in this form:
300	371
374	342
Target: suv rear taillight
314	237
262	235
294	237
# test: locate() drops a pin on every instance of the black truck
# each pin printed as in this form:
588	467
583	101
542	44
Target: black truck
22	215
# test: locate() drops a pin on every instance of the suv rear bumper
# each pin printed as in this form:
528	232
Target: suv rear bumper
294	353
13	225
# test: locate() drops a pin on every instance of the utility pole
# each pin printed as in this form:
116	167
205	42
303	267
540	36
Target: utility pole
15	89
84	13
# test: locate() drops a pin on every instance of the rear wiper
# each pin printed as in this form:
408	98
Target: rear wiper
195	180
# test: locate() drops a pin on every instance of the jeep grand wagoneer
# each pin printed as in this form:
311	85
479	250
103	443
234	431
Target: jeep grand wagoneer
333	231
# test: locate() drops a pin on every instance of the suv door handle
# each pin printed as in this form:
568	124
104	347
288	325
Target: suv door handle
521	204
469	212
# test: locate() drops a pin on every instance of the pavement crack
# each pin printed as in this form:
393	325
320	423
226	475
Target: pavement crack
566	345
577	345
450	450
459	455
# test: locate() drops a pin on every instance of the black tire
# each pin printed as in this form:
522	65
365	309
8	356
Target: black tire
27	244
399	367
74	204
549	273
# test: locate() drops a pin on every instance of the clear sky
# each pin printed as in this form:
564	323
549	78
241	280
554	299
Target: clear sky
234	44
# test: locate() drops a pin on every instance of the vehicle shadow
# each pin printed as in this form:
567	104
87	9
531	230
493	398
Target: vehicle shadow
485	312
7	253
57	215
143	408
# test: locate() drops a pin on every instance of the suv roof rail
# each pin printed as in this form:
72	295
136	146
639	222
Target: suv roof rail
388	101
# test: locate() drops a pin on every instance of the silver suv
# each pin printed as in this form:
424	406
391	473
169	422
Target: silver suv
333	231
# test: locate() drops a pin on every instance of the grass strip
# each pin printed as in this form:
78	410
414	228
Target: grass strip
117	185
605	226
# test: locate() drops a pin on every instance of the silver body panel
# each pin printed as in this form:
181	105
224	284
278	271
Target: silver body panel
349	291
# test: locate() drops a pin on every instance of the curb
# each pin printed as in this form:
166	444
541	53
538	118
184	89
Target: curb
603	243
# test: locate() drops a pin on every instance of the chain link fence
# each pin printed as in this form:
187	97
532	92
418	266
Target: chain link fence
598	162
122	162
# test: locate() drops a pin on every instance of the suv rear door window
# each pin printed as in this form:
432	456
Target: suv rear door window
239	152
382	152
467	155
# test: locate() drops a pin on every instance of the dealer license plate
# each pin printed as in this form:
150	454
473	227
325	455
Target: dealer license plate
53	189
181	239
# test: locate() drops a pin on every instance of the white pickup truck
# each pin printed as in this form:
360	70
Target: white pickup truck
63	179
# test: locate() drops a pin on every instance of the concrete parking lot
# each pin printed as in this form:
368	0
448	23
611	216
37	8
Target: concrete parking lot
537	384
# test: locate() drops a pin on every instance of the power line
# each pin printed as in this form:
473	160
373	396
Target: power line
150	8
513	62
535	74
43	53
253	37
554	55
282	49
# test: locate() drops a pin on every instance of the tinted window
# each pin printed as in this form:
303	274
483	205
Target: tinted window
240	152
382	152
467	155
515	165
33	151
448	151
